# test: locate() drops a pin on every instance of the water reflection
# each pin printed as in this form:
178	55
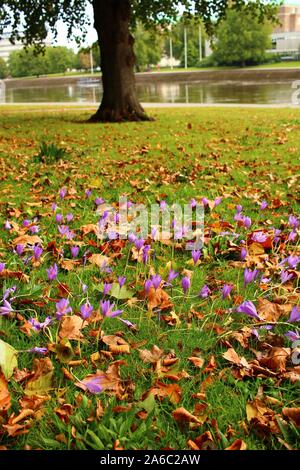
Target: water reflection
162	92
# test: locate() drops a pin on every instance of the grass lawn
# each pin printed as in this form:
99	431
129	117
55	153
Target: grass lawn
192	373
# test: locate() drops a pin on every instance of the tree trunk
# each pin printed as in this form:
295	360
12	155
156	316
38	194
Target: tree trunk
119	101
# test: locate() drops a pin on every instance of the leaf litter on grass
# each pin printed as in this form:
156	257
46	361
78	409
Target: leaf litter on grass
184	328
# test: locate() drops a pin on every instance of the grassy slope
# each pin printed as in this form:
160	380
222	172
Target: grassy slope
246	156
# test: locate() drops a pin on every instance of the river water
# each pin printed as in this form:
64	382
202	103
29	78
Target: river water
89	90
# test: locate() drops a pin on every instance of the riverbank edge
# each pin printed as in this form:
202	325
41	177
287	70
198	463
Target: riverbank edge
89	106
274	75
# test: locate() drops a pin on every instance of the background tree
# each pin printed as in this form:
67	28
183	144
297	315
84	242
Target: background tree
149	46
59	59
112	21
3	69
95	54
192	27
27	62
241	39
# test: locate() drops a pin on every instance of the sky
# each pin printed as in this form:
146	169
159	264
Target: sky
91	36
91	33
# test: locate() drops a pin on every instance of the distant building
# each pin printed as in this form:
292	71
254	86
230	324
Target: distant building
6	47
286	36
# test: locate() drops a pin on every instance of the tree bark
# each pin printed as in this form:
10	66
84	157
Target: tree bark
119	101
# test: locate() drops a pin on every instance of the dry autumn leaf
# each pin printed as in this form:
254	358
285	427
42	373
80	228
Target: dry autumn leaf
150	357
269	311
239	444
116	344
276	359
41	381
197	362
27	240
162	390
293	414
5	402
182	416
70	328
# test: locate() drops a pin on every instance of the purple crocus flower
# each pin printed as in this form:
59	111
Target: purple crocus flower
20	249
226	291
295	315
153	232
106	288
84	288
172	275
163	205
292	236
6	308
62	193
285	276
86	310
247	222
256	331
7	225
147	285
98	201
249	309
74	251
239	209
293	222
196	256
244	254
139	243
156	281
205	292
264	205
9	292
193	203
259	237
37	350
64	230
54	207
121	280
186	284
293	261
38	326
107	309
34	229
88	193
62	308
95	384
128	323
131	238
59	218
69	217
52	272
37	252
250	276
146	251
2	267
218	201
26	223
293	335
205	202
